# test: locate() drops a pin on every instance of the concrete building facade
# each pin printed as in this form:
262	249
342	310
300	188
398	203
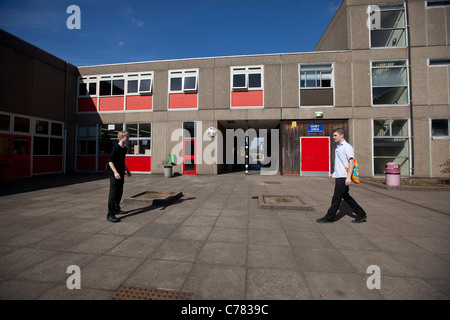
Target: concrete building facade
380	71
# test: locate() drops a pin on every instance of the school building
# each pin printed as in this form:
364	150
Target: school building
380	71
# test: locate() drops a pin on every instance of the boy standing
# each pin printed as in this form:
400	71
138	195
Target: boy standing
344	157
116	171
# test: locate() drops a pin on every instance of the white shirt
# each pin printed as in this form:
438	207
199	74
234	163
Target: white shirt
344	152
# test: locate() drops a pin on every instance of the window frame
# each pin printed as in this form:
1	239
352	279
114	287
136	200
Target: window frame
247	71
405	28
438	62
332	83
139	139
405	66
88	80
139	77
183	74
438	4
433	137
390	136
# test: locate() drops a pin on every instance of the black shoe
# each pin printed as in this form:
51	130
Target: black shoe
360	220
120	212
112	218
324	220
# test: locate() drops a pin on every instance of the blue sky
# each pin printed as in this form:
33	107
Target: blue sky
119	31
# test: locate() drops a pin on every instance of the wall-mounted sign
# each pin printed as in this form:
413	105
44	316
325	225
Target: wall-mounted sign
315	128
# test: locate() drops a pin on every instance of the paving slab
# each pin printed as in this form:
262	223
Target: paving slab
216	241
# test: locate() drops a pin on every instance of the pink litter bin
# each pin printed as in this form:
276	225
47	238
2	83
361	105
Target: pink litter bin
392	174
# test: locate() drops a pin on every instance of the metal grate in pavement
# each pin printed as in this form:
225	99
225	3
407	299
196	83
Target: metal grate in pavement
133	293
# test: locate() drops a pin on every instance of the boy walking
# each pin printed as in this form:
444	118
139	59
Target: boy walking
344	157
116	171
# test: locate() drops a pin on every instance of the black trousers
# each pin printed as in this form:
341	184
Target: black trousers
115	194
341	192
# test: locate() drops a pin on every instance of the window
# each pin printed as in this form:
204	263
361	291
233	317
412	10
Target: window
87	87
140	138
316	85
434	4
391	144
21	124
5	122
108	137
86	139
189	130
41	127
444	62
247	78
48	139
388	26
183	81
389	83
439	127
112	85
140	83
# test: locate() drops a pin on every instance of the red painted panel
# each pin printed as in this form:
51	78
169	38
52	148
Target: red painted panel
111	104
139	164
183	101
139	102
247	98
86	163
315	154
87	104
102	162
43	164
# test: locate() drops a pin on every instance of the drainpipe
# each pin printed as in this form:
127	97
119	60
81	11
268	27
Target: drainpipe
410	88
65	119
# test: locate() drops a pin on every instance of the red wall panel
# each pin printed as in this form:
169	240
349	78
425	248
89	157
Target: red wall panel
86	163
139	102
247	98
139	164
111	104
183	100
87	104
43	164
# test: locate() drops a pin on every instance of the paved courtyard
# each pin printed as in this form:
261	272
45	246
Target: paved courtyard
217	243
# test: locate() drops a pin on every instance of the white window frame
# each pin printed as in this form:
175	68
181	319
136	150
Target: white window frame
443	64
246	71
112	78
390	137
316	88
407	82
11	124
141	138
49	136
183	74
428	6
439	137
88	80
405	28
139	77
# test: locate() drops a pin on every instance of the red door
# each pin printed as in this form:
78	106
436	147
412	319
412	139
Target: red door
15	156
315	156
189	154
21	156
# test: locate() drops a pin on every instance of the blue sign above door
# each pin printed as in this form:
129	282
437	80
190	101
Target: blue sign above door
315	128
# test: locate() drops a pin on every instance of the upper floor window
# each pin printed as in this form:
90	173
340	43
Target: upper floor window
140	83
440	127
247	78
87	87
316	85
183	81
435	4
389	82
387	26
112	85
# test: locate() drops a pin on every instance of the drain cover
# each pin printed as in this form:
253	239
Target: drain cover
283	202
133	293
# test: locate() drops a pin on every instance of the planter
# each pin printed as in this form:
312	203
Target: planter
167	171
